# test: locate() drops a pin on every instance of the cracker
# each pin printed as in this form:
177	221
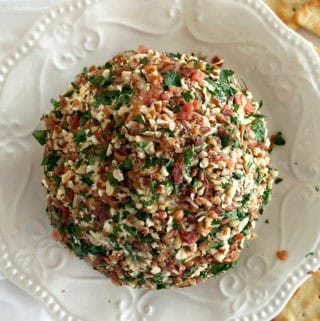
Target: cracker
286	10
308	16
305	303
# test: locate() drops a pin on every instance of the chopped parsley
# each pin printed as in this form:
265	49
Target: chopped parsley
259	129
188	156
222	267
187	95
139	119
278	139
126	165
79	136
40	136
130	229
105	97
278	180
113	182
100	81
172	78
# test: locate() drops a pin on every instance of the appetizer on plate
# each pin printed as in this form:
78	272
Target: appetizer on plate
156	167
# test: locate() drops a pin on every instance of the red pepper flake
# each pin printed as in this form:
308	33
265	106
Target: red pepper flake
282	255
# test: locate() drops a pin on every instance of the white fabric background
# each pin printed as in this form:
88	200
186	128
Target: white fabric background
16	17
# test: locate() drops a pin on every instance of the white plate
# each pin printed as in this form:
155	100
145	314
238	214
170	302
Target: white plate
280	68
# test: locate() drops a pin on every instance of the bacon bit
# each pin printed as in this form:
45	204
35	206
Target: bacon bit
75	121
248	108
198	141
161	189
55	234
147	98
92	68
119	71
50	123
188	237
147	181
221	118
70	195
217	61
177	173
186	112
76	102
186	72
197	75
142	49
119	157
282	255
221	130
146	247
165	97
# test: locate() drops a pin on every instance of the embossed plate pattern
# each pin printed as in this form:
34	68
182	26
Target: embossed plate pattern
280	68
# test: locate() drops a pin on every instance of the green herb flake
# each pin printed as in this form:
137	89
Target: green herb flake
278	180
237	175
139	118
310	254
172	78
169	187
266	196
40	136
50	161
225	140
188	156
105	97
113	182
176	224
317	188
86	178
278	139
79	136
54	103
259	129
126	165
100	81
131	230
266	221
187	95
222	267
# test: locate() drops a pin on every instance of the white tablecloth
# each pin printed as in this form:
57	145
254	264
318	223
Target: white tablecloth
16	16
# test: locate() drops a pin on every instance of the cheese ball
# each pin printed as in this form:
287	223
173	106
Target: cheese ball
156	167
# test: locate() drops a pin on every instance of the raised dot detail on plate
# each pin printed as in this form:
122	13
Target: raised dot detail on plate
30	42
4	69
30	283
282	294
44	294
277	302
1	78
8	265
79	5
263	314
23	49
87	2
270	309
62	314
16	55
70	7
21	277
46	20
70	318
14	272
288	285
9	62
37	288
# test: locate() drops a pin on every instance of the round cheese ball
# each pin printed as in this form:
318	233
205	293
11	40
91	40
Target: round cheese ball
156	168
